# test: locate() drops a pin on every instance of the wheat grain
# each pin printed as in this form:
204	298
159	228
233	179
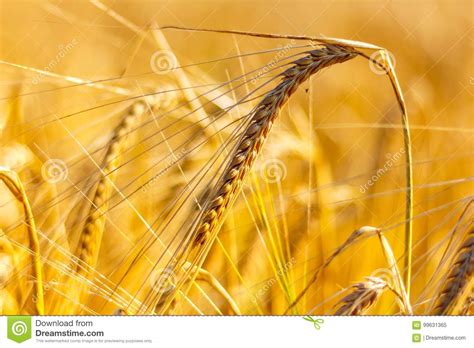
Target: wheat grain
467	308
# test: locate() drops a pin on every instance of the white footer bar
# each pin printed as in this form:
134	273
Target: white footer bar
277	331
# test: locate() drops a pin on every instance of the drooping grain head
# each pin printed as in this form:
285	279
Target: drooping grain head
363	296
459	277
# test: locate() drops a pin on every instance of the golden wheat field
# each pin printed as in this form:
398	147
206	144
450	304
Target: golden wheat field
236	157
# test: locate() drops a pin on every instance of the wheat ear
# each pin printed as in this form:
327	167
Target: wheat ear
458	285
365	294
13	182
251	142
91	236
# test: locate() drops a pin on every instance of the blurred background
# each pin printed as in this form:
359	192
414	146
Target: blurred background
334	161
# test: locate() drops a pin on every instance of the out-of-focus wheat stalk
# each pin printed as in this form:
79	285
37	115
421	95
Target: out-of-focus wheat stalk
13	182
91	236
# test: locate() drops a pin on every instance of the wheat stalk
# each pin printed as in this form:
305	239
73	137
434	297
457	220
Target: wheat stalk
365	294
207	277
13	183
459	280
392	263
